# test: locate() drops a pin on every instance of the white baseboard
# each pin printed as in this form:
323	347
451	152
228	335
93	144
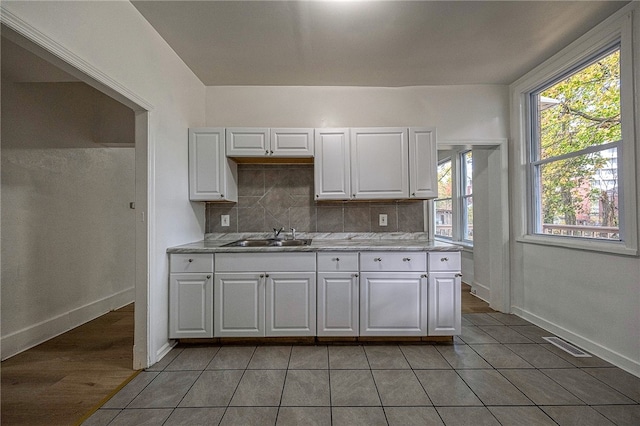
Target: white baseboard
33	335
481	291
164	350
630	365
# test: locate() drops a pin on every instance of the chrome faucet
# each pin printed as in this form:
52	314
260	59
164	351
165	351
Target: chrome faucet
276	233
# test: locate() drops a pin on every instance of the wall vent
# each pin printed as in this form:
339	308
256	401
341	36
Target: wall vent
567	347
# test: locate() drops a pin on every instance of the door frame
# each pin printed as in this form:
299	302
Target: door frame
30	38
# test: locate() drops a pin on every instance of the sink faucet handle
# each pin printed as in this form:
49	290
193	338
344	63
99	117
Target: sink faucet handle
293	233
277	232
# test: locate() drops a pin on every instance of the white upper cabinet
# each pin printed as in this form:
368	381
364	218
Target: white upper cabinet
291	143
248	142
265	142
423	159
212	177
375	163
332	164
379	163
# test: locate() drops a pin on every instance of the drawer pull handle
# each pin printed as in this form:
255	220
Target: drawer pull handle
444	259
377	259
190	260
337	259
406	259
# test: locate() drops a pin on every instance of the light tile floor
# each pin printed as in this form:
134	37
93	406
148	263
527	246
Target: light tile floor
498	372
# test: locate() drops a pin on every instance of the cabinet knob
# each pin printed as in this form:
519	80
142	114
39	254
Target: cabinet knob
271	152
424	276
377	259
221	195
190	260
208	276
459	275
356	275
317	195
413	194
266	152
406	259
353	195
337	259
261	275
266	275
444	259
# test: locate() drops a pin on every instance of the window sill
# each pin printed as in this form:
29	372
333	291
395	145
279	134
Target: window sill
466	246
611	247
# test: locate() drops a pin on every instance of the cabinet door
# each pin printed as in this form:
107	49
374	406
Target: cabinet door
332	170
247	142
379	163
190	305
291	143
423	163
444	304
239	304
393	304
212	177
291	304
338	303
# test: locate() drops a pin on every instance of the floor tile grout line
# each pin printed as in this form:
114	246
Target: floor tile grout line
284	383
585	370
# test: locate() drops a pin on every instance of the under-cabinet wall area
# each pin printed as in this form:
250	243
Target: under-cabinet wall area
271	196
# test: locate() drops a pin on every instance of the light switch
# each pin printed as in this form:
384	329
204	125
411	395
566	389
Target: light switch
382	219
224	220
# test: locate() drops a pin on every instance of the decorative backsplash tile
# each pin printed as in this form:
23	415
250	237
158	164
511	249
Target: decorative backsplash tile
274	196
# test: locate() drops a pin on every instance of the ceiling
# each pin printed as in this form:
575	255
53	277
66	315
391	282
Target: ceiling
369	43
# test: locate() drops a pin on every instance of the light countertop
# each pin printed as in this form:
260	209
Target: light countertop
213	243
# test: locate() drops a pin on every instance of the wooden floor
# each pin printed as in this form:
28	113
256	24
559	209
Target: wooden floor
60	381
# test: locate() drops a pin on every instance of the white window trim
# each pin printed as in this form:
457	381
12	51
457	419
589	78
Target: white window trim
619	26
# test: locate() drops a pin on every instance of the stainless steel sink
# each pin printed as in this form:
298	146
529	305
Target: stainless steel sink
269	242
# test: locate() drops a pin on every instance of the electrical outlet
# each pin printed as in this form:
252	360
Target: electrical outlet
224	220
382	219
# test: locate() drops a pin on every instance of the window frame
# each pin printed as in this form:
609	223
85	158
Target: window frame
458	196
535	163
616	30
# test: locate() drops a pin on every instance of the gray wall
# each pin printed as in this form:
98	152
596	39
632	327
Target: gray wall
68	233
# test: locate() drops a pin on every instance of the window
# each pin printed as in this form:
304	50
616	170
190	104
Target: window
443	204
576	143
453	209
466	162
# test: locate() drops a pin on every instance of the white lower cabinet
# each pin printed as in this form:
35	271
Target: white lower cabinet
393	304
338	303
444	306
191	296
393	294
256	304
239	304
290	305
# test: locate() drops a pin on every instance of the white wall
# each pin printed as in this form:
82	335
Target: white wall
458	112
114	38
68	245
588	297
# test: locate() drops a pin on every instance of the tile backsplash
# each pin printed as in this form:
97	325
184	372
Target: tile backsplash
274	196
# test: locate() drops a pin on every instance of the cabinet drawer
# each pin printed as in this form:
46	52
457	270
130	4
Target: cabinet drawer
194	262
444	261
265	262
408	261
337	261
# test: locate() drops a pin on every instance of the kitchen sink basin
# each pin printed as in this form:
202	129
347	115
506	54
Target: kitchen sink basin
270	242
